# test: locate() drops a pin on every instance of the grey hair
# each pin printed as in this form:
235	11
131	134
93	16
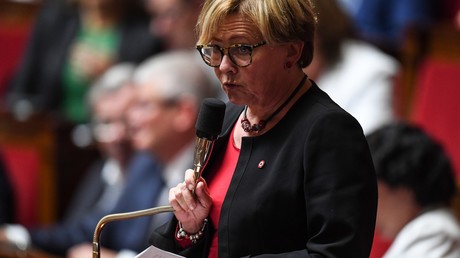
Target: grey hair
177	73
113	79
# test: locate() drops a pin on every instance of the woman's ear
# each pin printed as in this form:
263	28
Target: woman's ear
294	53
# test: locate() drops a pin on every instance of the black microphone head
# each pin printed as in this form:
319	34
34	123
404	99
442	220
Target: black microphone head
210	118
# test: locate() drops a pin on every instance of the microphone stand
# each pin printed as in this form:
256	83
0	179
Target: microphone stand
123	216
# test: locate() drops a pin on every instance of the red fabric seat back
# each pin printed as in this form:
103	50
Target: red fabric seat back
437	105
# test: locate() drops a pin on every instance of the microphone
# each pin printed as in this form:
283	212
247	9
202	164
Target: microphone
208	127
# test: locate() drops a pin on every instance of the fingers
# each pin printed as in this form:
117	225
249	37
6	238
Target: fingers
191	206
202	194
185	197
176	200
181	197
190	179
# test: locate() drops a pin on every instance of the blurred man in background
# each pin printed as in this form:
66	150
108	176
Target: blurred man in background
105	183
169	89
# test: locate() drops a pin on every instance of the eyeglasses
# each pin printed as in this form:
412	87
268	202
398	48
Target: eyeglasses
240	54
108	131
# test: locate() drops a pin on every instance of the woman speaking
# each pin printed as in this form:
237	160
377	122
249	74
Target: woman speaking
291	174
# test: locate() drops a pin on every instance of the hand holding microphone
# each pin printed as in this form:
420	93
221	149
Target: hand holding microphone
192	207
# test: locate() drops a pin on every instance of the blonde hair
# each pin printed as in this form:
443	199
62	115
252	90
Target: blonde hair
278	21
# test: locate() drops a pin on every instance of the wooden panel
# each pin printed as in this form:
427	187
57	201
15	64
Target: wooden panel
18	12
11	252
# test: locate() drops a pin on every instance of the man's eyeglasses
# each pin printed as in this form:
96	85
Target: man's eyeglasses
240	54
108	131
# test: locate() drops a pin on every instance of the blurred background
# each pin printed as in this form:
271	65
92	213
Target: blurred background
46	149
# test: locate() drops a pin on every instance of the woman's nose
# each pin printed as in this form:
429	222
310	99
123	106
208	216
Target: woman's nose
227	64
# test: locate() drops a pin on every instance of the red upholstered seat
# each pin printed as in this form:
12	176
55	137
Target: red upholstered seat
437	105
22	164
12	43
28	152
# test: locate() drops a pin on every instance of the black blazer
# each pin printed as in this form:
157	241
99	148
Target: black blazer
316	195
39	76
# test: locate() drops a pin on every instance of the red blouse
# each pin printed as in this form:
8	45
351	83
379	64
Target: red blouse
219	186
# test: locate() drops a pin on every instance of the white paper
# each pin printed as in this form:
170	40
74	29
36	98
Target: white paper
154	252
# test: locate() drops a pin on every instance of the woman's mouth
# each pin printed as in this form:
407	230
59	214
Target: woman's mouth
230	85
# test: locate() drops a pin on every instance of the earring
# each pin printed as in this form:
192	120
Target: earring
288	65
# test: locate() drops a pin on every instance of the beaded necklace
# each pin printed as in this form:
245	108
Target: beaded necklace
246	125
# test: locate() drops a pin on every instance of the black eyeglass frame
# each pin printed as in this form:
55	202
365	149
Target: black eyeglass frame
225	51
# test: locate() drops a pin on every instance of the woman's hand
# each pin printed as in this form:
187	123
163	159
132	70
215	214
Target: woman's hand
189	208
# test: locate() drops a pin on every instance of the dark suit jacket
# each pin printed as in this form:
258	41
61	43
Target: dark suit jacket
39	76
316	196
89	190
143	187
142	192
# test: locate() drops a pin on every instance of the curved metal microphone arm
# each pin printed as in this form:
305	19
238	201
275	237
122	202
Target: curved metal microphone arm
123	216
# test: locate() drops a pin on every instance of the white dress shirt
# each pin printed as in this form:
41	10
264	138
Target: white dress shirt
433	234
362	83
